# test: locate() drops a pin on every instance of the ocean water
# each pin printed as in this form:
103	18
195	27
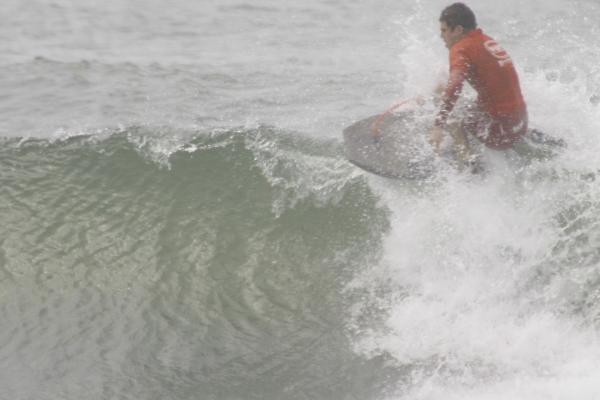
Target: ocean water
178	220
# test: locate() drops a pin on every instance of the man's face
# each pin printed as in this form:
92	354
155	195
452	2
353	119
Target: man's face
449	35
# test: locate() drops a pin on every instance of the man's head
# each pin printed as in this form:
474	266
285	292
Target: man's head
456	21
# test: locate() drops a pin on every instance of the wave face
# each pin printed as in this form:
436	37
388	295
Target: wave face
204	268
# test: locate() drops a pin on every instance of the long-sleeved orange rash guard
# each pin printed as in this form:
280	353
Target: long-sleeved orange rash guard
488	68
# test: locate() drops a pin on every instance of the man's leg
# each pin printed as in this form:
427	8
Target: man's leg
462	149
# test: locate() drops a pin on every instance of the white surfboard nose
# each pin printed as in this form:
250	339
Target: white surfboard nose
398	150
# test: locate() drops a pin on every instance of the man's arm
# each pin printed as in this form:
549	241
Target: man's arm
458	70
459	66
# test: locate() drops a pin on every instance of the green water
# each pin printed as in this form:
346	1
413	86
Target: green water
202	275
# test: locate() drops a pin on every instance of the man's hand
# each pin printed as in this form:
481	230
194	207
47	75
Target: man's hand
436	134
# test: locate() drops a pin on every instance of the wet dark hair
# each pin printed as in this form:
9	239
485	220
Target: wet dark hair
458	14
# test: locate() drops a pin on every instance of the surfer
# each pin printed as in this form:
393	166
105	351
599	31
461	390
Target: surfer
499	116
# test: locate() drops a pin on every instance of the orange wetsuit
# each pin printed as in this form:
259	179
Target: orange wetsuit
501	114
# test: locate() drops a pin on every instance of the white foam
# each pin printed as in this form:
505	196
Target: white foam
486	286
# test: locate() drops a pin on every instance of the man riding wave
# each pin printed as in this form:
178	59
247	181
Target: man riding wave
499	116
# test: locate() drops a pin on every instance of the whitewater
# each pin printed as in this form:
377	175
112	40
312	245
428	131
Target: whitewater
178	219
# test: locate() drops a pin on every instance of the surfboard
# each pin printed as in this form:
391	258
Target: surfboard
400	151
